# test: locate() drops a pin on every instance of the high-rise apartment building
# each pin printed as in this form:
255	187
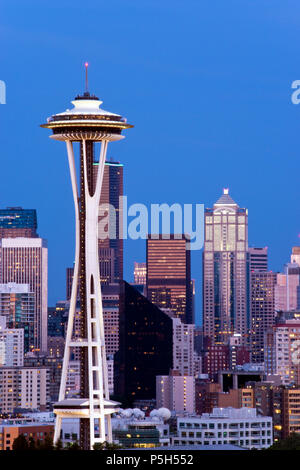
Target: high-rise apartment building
17	304
11	345
226	271
24	387
169	275
282	350
53	364
18	222
25	261
262	310
183	347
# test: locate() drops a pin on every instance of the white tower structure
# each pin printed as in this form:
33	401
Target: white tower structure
87	124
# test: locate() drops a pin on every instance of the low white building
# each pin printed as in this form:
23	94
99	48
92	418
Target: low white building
241	427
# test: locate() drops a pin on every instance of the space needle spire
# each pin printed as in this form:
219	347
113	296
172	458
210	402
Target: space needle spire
85	124
86	77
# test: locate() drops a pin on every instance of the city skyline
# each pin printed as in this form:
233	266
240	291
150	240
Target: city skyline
150	290
232	76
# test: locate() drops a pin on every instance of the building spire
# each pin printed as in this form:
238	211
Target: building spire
86	77
225	199
86	95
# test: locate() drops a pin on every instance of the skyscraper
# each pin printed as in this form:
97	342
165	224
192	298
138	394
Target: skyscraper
169	275
282	351
226	271
17	304
11	345
287	289
18	222
69	282
111	248
262	310
295	256
25	261
146	348
258	259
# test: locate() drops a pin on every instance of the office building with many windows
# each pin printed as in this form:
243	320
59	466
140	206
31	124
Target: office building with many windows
169	275
226	271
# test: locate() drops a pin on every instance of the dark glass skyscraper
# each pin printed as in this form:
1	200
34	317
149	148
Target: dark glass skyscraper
146	346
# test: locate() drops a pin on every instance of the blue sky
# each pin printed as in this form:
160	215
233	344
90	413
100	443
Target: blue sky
207	85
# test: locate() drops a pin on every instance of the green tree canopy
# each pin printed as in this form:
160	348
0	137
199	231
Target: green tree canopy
20	443
290	443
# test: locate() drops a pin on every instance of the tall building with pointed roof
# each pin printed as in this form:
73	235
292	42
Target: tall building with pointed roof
226	271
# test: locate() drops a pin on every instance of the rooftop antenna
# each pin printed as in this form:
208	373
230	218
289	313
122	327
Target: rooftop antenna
86	76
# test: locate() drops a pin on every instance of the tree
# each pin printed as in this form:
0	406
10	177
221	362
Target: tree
112	446
73	446
47	444
106	446
20	443
290	443
99	446
32	445
38	444
58	445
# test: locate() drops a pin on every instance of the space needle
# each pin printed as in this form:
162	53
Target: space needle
87	123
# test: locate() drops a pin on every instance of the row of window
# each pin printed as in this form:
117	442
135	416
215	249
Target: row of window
225	425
